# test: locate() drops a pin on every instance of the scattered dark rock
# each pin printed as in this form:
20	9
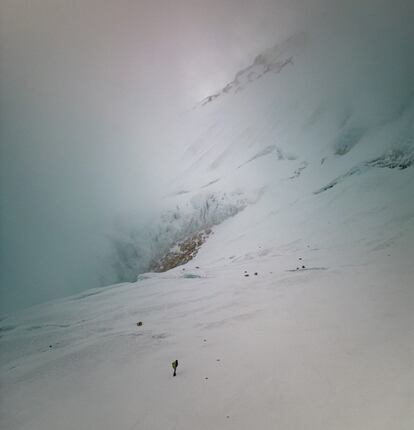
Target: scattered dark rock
217	359
297	268
197	267
206	377
300	258
303	267
204	340
245	271
246	275
228	416
50	346
255	273
139	323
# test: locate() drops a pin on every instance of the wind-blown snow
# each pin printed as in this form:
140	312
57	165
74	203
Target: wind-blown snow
311	195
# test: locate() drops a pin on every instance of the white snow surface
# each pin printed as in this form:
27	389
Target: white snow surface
327	346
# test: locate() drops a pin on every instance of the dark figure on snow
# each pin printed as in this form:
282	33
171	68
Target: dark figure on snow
174	365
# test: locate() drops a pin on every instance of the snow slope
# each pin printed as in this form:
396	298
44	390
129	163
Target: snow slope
320	338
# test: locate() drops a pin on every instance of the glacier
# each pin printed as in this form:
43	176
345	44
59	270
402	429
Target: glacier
297	311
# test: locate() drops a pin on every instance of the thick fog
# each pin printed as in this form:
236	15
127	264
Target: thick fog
90	93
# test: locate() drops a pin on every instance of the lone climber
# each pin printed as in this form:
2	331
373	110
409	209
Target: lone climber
174	365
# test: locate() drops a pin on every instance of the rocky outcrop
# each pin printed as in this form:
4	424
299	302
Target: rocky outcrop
181	253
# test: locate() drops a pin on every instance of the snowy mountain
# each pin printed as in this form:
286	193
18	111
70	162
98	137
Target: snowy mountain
270	140
273	60
295	313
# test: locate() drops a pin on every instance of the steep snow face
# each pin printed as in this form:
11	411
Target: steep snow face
287	133
297	123
293	114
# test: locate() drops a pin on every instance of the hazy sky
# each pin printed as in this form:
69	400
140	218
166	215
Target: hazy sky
87	90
